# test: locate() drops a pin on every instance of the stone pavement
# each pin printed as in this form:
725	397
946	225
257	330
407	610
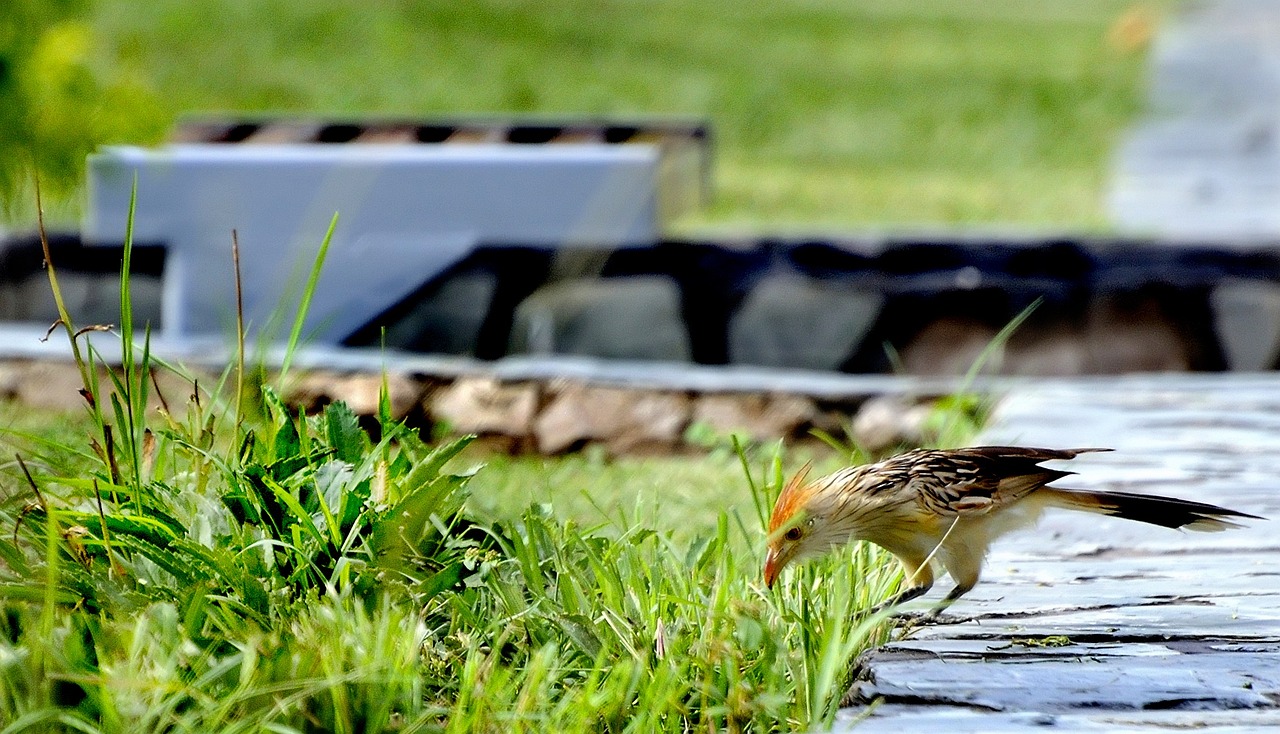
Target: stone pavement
1206	159
1097	623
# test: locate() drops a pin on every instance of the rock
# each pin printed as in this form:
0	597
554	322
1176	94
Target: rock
887	421
57	385
798	322
484	406
1129	334
53	386
624	420
610	318
493	443
653	422
359	391
950	346
312	390
10	379
1056	351
1246	316
761	417
446	320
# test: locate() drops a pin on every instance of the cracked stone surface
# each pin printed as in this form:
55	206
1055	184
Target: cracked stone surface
1095	623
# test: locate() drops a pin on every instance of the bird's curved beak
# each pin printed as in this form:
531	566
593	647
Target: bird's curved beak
771	567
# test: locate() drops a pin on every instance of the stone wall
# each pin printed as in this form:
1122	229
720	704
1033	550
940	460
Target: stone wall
923	306
548	416
560	415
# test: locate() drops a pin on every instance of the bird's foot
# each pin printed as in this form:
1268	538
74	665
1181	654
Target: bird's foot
931	617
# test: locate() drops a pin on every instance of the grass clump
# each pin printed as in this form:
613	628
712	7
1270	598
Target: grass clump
309	583
225	562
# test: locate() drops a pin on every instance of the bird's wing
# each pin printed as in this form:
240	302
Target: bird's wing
978	480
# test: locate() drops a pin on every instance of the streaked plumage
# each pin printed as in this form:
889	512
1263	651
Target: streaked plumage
948	506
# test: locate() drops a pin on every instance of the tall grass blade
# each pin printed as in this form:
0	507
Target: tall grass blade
235	261
947	433
307	293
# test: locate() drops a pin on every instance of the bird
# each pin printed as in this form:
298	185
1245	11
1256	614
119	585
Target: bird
948	506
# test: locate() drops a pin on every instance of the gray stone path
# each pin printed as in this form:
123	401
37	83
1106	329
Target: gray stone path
1206	159
1103	624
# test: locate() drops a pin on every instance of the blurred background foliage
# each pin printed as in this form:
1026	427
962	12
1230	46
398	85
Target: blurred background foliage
828	112
60	96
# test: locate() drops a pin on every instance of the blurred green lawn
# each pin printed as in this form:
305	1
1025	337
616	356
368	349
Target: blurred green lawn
680	494
829	113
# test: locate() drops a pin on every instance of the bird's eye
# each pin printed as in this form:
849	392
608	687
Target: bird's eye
793	534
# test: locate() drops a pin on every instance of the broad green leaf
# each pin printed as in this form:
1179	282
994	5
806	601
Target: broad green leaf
343	432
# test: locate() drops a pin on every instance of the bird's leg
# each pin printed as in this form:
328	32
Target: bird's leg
902	597
960	590
934	615
965	568
919	577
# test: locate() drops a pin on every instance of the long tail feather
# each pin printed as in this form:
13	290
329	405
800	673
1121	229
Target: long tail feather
1166	512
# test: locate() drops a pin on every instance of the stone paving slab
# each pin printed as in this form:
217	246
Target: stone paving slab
996	677
1096	623
944	718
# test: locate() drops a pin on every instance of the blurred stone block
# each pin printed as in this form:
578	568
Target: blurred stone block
1124	334
54	386
624	420
359	391
788	321
761	417
10	379
485	406
635	318
448	320
1246	315
888	421
950	346
409	212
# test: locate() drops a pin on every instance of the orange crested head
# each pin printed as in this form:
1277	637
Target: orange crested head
793	497
784	529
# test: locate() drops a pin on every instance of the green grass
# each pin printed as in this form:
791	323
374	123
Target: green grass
230	564
681	495
626	597
828	112
308	578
